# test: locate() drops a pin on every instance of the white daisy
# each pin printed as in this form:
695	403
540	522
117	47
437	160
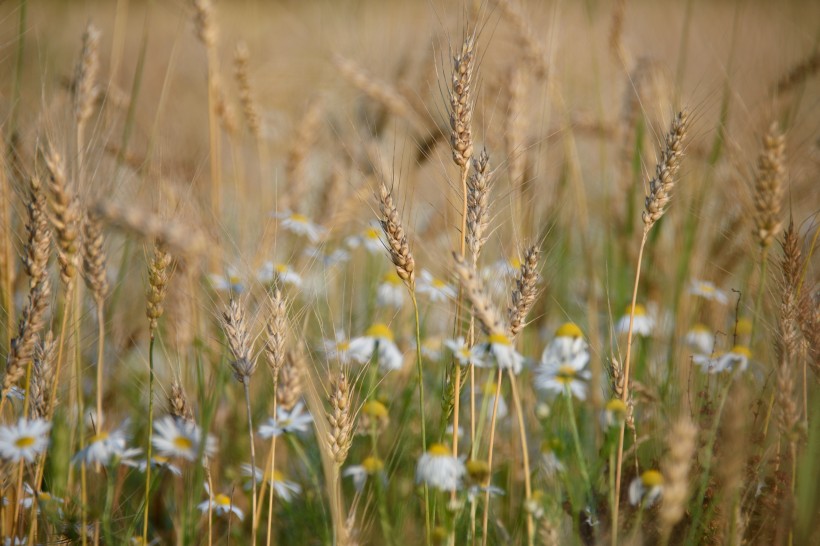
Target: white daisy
336	257
180	438
300	224
24	440
391	291
436	289
438	468
105	447
359	473
701	339
614	413
339	348
271	272
431	348
551	465
462	352
378	339
284	489
642	323
44	499
486	395
737	358
157	462
222	505
230	281
295	420
478	491
646	489
563	363
507	268
498	351
16	541
707	290
370	239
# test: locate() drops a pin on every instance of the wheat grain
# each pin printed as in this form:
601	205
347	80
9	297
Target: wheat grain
660	187
239	341
396	238
525	291
340	419
768	192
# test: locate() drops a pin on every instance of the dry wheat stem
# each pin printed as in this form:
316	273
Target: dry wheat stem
486	516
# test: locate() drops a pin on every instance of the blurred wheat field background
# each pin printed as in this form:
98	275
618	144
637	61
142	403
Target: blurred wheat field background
492	272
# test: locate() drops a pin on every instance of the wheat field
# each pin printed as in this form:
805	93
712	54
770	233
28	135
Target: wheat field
378	272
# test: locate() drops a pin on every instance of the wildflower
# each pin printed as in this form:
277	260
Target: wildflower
737	358
438	468
230	281
646	489
159	462
551	465
336	257
105	447
338	348
743	327
222	505
642	323
374	414
377	340
474	491
462	352
535	504
25	440
299	224
507	268
700	339
614	413
369	238
563	363
500	351
271	272
390	292
16	541
44	499
359	473
284	489
487	394
180	438
707	290
436	289
295	420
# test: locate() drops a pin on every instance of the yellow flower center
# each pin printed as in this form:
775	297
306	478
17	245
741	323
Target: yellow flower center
478	470
489	388
744	327
566	374
301	218
438	283
233	279
343	345
550	445
706	287
182	443
44	497
99	437
640	310
380	330
222	500
616	406
277	476
464	352
700	328
159	459
652	478
376	409
372	465
499	339
371	233
515	263
742	350
392	278
281	268
24	441
569	329
439	450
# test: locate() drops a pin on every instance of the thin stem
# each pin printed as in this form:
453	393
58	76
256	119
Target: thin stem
100	361
272	466
246	384
625	393
764	267
524	453
579	452
485	522
150	436
427	527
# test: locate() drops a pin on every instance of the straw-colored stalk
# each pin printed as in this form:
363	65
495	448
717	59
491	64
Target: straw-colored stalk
94	274
85	87
655	205
244	364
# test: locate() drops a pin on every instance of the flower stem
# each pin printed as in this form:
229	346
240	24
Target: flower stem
421	409
150	436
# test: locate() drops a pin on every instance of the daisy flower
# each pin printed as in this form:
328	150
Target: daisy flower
487	392
231	281
462	352
373	414
43	498
179	438
737	358
284	489
436	289
379	340
563	363
614	413
336	257
105	447
390	292
743	327
700	339
646	489
498	351
158	462
295	420
24	440
371	466
16	541
370	239
438	468
299	224
476	491
551	465
708	291
222	505
338	348
507	268
642	324
271	272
